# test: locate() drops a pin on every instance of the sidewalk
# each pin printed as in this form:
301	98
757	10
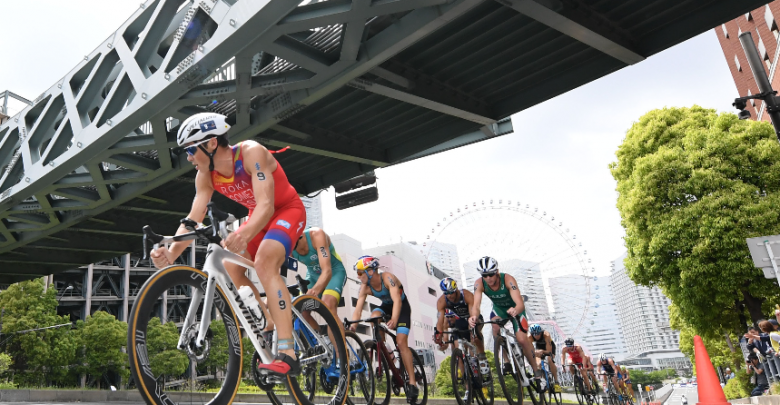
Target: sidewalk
764	400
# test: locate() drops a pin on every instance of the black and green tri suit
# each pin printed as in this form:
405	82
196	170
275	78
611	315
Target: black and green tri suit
502	301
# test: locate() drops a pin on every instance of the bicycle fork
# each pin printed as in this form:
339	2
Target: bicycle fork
518	360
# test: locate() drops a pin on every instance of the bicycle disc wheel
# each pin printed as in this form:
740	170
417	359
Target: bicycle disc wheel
511	383
461	378
384	382
420	378
158	366
363	385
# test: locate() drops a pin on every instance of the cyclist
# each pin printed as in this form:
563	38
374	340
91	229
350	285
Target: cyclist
619	376
248	174
325	273
627	380
577	357
608	366
545	349
459	302
450	319
390	291
507	304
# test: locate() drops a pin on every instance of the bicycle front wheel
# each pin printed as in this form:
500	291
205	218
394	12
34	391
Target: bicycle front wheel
461	378
508	375
165	373
579	390
381	368
363	385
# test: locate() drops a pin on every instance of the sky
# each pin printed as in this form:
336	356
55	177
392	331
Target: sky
557	158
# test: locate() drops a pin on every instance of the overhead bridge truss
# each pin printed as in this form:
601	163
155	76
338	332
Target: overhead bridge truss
105	133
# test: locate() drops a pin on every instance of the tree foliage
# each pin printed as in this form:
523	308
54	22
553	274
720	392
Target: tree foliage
654	378
164	358
40	357
218	349
717	346
692	186
101	339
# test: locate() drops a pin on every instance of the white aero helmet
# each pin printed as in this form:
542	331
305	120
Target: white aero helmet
201	126
487	265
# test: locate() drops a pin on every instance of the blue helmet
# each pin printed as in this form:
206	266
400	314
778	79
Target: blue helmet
448	286
536	329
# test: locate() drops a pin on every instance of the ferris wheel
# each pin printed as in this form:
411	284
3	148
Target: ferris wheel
547	260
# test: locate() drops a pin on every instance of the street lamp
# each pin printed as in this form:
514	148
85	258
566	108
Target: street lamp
69	287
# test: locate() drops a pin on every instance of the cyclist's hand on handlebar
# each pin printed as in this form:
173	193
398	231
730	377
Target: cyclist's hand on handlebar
512	311
236	243
391	324
353	327
472	321
315	291
161	257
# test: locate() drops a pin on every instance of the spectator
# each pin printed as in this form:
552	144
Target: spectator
768	328
756	342
729	374
761	382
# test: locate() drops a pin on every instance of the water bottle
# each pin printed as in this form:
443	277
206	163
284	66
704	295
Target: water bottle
250	303
484	367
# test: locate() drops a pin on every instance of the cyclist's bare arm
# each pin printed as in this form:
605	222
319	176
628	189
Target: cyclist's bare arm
359	305
474	309
203	192
563	355
440	307
548	342
321	244
514	292
394	286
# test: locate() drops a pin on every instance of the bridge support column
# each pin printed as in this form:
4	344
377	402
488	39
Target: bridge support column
88	293
126	288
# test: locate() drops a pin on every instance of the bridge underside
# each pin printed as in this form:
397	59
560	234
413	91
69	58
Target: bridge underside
350	85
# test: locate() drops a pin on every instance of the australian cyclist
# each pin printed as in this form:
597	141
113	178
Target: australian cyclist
578	359
389	290
459	302
248	174
627	381
507	304
608	367
545	351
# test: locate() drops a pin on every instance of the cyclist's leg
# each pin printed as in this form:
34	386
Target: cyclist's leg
521	333
479	340
551	364
402	339
332	294
239	278
585	378
284	227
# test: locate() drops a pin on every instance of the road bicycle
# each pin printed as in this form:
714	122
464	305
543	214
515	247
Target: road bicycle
209	294
584	397
613	396
389	370
468	380
510	362
549	390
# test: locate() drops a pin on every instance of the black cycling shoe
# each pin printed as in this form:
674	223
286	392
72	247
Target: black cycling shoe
412	392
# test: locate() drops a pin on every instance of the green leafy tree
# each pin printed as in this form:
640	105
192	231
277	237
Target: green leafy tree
164	358
218	349
717	346
692	186
40	357
101	339
443	379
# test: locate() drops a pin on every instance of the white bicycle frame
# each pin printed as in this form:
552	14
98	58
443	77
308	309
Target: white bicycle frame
511	341
217	275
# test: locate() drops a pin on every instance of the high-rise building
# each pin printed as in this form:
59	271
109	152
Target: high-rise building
644	313
443	256
313	207
762	25
603	332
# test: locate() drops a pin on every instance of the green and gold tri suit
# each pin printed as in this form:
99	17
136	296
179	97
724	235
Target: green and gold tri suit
502	301
338	276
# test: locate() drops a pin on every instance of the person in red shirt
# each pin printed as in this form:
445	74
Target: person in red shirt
248	174
577	357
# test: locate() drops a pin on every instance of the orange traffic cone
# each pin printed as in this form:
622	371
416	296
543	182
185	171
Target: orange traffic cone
710	391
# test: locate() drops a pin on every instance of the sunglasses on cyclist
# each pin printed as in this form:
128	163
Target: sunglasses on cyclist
489	275
361	272
193	149
450	293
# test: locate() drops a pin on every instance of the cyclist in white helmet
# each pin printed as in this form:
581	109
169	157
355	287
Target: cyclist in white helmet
248	174
508	303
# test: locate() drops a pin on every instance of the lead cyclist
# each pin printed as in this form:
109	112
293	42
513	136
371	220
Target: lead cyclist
248	174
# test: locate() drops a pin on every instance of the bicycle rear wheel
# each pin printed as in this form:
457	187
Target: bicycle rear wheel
461	378
363	385
510	381
384	381
158	366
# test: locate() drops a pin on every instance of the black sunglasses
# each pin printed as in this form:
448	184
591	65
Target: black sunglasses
489	275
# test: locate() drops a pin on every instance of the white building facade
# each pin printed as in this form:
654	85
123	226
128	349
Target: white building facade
313	207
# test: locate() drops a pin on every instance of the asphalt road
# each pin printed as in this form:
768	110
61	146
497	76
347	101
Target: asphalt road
676	397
